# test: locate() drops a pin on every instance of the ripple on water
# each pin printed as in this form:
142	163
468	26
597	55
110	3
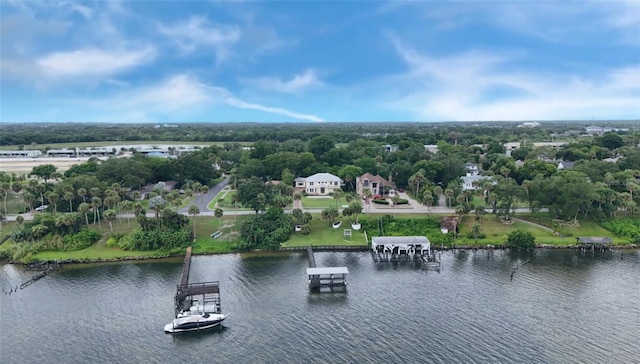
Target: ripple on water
472	312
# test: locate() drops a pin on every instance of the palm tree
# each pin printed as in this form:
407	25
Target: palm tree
110	216
40	188
356	209
5	187
96	202
84	208
427	199
69	197
193	211
475	231
298	197
20	220
479	210
126	206
53	198
29	199
156	203
16	187
437	190
330	213
82	192
449	194
336	196
218	213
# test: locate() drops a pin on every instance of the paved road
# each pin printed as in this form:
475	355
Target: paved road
203	201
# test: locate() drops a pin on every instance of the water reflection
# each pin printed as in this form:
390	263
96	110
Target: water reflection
556	305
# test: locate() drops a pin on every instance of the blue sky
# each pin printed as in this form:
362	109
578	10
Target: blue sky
318	61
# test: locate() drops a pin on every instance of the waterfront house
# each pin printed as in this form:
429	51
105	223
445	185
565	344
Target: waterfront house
377	185
320	184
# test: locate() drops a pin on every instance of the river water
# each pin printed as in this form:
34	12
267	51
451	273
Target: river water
561	307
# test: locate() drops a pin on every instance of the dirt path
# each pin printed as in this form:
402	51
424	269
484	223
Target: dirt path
534	224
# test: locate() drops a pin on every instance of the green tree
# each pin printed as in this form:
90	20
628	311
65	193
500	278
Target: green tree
336	196
349	173
110	216
330	213
475	231
249	192
194	211
521	240
43	171
321	144
5	187
356	209
84	208
218	214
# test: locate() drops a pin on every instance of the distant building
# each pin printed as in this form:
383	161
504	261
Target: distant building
390	148
20	153
529	124
469	182
472	169
431	148
565	165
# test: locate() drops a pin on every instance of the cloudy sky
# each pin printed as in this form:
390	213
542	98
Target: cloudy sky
316	61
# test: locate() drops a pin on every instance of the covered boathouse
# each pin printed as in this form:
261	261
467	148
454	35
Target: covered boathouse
591	243
404	248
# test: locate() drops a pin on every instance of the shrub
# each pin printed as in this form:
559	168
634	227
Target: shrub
625	228
521	240
401	201
80	240
381	202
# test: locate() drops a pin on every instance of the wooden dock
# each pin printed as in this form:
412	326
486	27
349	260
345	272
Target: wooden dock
325	279
206	294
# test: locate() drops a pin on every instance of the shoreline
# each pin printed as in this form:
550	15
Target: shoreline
336	248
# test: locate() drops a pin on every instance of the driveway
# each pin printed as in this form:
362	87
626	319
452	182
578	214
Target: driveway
202	201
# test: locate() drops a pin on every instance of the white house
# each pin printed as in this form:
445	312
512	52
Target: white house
319	183
469	182
472	169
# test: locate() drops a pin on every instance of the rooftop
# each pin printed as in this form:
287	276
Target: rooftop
327	270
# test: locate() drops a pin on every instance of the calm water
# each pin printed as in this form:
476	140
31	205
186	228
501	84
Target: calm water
561	307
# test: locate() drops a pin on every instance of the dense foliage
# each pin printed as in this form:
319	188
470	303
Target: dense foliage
266	230
625	228
521	240
387	225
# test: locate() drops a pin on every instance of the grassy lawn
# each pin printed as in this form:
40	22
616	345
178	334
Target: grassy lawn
496	232
320	203
226	195
322	234
206	225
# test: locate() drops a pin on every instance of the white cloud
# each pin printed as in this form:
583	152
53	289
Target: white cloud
300	82
185	92
198	32
483	87
93	62
232	101
85	11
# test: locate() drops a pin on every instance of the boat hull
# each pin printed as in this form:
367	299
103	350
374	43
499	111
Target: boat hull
173	327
